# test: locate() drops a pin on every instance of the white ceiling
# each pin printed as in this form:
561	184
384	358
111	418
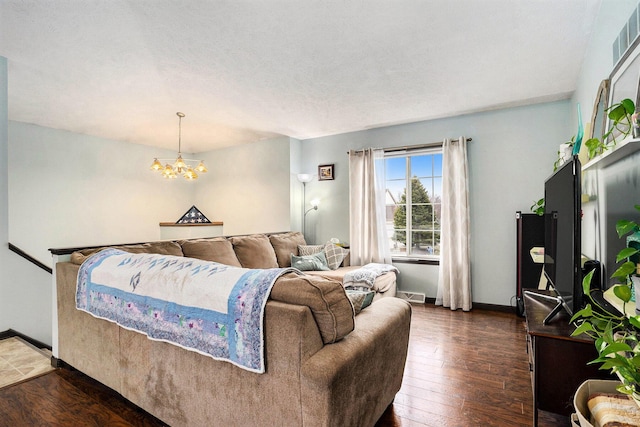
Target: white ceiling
242	71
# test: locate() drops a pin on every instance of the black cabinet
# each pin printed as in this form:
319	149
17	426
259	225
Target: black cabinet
557	360
529	234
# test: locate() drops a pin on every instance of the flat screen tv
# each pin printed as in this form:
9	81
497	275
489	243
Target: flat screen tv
562	242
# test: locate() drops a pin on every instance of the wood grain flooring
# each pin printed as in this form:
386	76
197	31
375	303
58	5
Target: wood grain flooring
463	369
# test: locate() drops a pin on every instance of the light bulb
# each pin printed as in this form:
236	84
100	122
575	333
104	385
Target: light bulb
201	167
156	165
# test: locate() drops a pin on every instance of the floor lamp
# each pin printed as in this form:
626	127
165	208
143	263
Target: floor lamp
304	178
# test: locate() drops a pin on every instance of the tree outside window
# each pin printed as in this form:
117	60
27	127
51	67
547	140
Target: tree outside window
422	175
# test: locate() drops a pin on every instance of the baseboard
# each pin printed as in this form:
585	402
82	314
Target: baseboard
416	297
481	306
59	363
11	333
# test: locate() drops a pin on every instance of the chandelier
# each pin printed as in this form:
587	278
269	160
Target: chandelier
185	167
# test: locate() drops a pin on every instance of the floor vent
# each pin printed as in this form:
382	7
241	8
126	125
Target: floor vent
411	296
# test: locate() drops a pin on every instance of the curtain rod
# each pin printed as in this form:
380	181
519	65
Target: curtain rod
414	147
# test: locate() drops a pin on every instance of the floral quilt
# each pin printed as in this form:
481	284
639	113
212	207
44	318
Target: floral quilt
213	309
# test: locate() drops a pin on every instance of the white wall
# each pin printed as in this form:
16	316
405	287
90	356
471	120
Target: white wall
68	189
4	211
512	153
247	187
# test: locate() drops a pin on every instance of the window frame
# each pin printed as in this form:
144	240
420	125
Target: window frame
407	154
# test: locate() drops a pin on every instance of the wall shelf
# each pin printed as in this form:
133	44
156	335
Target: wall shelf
624	148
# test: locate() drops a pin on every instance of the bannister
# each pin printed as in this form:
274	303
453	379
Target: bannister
23	254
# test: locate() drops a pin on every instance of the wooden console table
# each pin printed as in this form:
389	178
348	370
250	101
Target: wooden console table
557	361
172	231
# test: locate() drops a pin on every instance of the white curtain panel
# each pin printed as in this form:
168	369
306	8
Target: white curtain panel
368	233
454	282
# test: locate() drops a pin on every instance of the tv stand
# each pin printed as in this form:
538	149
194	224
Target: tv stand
560	304
557	360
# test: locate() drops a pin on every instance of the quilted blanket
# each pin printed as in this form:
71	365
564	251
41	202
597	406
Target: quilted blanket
213	309
364	278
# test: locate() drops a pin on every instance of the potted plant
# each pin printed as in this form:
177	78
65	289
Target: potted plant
621	116
616	336
564	153
538	207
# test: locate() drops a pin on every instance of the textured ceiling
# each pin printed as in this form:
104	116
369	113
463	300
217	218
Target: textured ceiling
242	71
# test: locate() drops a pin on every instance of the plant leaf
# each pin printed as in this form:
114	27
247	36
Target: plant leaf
585	312
623	271
623	292
628	105
626	253
617	112
586	283
635	321
583	328
624	226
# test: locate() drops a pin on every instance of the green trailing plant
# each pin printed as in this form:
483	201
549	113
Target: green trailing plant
595	147
538	207
616	336
621	116
561	159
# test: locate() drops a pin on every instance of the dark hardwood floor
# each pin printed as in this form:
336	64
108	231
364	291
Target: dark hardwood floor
463	369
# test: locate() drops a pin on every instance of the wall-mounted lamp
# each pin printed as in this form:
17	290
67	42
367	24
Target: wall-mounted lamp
314	206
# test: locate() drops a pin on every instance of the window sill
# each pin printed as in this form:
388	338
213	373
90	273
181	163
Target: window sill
409	260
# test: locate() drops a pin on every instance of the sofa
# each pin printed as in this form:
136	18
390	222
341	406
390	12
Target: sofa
325	365
269	250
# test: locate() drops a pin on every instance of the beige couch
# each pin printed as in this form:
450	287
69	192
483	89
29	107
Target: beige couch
324	366
259	251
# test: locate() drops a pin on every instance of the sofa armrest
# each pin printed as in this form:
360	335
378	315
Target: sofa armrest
366	366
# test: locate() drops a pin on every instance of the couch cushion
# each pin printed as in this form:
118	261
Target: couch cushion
163	248
315	262
327	300
286	244
254	251
216	249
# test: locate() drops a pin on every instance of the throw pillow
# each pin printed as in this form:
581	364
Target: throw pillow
315	262
335	255
309	249
285	244
360	299
254	251
327	300
216	249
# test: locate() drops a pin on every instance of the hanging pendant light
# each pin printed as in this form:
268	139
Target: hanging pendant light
184	167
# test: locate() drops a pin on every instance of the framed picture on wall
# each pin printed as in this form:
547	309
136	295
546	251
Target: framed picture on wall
325	172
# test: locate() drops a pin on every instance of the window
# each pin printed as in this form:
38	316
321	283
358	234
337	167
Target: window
413	184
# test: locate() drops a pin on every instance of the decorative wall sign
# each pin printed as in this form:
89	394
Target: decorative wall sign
193	216
599	115
325	172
